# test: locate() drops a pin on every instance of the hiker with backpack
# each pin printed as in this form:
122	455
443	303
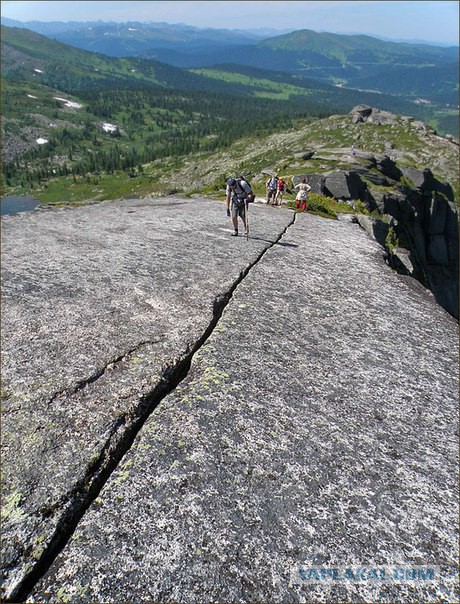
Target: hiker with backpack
271	186
239	193
302	194
280	192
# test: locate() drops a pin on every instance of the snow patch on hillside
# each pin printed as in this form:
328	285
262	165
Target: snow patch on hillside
109	127
68	103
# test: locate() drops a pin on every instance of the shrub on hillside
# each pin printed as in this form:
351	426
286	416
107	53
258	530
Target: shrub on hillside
318	204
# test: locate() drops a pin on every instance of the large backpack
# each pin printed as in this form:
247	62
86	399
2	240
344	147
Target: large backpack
273	183
239	179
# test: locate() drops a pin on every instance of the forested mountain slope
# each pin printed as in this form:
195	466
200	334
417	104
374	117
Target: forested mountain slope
355	61
69	112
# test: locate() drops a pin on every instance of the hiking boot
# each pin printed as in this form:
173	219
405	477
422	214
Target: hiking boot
235	234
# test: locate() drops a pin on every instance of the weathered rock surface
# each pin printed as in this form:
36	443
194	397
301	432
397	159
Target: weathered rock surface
365	113
101	308
424	212
316	426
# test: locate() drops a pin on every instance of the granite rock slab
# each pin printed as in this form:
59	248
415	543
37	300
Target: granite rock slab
101	309
316	428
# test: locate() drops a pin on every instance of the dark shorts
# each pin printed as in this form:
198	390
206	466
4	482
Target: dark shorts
238	208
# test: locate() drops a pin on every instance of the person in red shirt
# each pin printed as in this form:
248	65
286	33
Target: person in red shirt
280	191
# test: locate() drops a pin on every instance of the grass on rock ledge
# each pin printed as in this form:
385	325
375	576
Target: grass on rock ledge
70	190
327	207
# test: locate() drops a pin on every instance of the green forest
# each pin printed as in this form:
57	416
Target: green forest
151	124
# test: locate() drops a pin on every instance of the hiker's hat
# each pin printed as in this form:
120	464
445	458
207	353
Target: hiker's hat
231	182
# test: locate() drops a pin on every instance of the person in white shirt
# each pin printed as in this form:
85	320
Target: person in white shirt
302	194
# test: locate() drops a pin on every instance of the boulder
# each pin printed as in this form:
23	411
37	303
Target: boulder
369	225
360	113
402	262
451	234
445	288
376	201
421	179
444	188
417	234
381	117
364	155
388	167
416	207
377	179
316	182
451	227
365	113
344	185
396	205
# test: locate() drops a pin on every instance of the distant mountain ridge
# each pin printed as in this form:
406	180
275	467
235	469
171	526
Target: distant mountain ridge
362	62
88	34
33	57
51	27
65	109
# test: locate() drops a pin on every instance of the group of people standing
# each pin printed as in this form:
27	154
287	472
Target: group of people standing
239	194
276	187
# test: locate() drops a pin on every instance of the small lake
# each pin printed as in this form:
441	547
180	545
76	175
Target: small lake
12	204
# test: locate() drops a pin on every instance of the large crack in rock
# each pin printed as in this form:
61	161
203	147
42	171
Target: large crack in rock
315	428
147	279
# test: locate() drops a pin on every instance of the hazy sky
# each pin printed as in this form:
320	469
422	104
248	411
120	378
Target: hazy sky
436	21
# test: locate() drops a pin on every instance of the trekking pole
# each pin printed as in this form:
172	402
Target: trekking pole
246	213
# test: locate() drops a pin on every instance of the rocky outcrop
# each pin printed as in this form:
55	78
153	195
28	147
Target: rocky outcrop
344	185
424	216
360	113
365	113
426	219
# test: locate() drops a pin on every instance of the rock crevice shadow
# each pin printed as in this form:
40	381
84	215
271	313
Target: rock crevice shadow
75	503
